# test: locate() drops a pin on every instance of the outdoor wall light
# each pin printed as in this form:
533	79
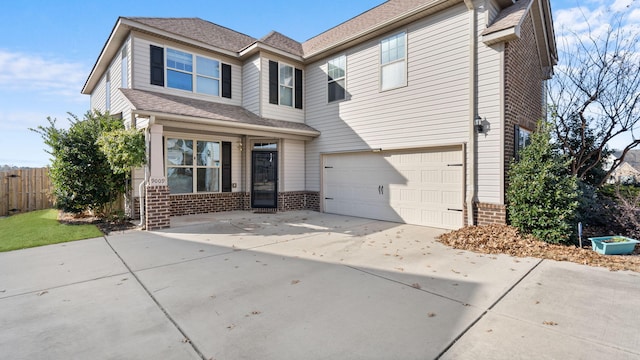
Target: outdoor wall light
478	124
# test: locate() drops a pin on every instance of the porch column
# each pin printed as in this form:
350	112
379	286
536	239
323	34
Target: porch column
158	206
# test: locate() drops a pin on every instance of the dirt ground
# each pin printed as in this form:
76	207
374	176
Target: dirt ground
503	239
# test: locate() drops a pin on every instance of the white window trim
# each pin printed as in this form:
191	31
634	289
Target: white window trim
194	72
404	59
335	80
293	86
124	68
194	166
107	90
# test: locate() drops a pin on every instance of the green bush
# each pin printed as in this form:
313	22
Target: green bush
542	196
81	173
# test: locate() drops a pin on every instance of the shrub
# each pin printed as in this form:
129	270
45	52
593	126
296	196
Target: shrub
542	196
82	176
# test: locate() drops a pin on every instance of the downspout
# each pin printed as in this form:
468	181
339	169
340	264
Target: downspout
471	189
143	199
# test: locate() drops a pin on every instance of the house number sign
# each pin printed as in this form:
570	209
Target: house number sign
157	181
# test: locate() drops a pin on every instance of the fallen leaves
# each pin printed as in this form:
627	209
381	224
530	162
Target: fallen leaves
503	239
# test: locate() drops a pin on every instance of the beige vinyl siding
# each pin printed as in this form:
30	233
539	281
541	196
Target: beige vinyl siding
273	111
98	96
489	165
251	85
141	70
293	165
431	110
118	102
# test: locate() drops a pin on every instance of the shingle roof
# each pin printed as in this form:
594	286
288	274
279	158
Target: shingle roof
365	21
199	30
177	105
282	42
509	17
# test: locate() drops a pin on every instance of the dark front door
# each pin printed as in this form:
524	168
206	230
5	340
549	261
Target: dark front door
264	181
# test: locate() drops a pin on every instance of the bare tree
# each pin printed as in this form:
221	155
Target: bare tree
595	96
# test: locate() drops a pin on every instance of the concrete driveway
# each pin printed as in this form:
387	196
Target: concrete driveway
305	285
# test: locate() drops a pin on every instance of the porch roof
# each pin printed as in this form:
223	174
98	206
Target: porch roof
187	110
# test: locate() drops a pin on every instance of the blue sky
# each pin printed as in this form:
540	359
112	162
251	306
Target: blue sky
47	48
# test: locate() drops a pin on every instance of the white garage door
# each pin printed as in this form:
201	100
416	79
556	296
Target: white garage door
422	187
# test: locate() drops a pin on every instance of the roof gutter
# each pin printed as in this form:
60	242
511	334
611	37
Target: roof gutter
153	115
395	21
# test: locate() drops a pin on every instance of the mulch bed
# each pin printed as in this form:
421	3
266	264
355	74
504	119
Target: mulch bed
106	226
503	239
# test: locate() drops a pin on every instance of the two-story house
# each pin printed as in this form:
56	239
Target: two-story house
409	112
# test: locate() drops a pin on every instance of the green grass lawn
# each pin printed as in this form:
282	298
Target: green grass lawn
39	228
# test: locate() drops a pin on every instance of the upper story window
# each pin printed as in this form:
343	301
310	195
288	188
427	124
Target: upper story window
393	61
124	69
208	76
336	70
179	70
187	72
107	92
285	85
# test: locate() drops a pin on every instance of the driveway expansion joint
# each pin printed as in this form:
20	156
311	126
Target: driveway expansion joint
473	323
186	338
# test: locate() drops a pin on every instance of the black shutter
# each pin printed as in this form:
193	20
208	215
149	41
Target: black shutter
273	82
298	89
226	166
226	81
157	65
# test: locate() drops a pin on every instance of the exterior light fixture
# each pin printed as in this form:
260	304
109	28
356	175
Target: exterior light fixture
477	121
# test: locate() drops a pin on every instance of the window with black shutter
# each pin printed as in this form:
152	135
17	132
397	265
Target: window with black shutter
157	65
226	81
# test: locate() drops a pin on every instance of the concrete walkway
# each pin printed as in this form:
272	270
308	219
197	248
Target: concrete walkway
305	285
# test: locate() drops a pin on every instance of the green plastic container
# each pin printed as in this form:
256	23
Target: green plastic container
602	246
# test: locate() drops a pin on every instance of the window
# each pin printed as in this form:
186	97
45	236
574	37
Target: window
522	140
188	171
107	92
285	85
208	76
179	70
393	65
336	70
202	75
124	69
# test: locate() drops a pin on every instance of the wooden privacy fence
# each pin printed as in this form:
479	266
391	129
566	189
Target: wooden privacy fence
25	190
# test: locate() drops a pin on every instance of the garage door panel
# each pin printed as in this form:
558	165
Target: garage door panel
416	187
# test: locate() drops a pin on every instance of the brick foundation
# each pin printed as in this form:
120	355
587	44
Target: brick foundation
158	211
486	214
299	200
191	204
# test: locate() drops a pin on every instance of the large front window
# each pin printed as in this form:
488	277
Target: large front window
190	171
393	55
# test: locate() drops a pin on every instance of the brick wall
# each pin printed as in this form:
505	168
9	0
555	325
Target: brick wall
486	214
190	204
299	200
158	211
524	106
524	87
